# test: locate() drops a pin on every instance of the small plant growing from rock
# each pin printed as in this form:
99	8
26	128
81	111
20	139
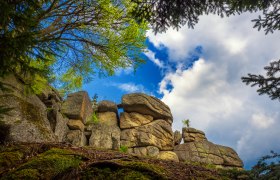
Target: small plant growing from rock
94	118
123	149
186	123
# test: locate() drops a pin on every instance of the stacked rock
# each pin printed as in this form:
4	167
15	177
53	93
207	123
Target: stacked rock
196	148
146	126
105	133
77	107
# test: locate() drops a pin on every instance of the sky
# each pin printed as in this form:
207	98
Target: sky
197	73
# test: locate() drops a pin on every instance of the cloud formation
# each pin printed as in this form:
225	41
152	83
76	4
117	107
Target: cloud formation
211	93
130	87
151	55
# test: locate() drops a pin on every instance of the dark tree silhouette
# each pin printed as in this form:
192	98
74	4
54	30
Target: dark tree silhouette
269	84
163	14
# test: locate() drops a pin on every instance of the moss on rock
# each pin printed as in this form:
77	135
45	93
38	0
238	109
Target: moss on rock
123	170
46	165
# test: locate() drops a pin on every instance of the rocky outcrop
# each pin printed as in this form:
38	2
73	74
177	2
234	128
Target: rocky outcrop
146	125
197	149
28	120
144	128
191	134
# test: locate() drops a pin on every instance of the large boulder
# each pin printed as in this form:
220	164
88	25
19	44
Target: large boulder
191	134
168	155
133	119
78	106
145	104
107	106
27	121
157	133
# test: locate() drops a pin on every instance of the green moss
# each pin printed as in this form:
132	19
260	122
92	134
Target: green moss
124	149
48	164
123	170
9	159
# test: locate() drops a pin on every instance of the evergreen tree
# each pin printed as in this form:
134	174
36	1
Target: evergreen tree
163	14
270	84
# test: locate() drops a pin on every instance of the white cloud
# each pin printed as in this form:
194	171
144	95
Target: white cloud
124	71
130	87
211	93
261	121
151	56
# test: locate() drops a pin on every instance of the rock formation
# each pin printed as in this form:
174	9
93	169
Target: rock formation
196	148
144	127
28	119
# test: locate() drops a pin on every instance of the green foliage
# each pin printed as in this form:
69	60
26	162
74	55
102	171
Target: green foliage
268	167
186	122
268	85
93	119
163	14
233	173
67	42
123	149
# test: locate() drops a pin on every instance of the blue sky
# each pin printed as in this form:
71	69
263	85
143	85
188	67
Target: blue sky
197	73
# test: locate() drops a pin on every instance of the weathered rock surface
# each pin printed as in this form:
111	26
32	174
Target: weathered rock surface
105	136
168	155
197	149
151	151
76	125
145	104
77	138
28	122
157	133
133	119
107	106
107	118
191	134
61	128
177	137
77	106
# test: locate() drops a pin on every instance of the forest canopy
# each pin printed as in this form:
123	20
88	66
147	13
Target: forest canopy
67	42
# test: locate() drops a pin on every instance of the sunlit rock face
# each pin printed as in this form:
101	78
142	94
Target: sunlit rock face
196	148
144	127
